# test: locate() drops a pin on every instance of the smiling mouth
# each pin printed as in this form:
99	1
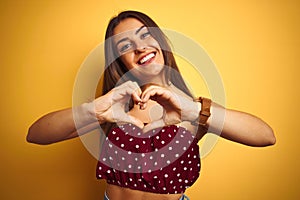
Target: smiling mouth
146	59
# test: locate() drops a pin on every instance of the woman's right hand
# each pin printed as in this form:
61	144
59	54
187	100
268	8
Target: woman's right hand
111	106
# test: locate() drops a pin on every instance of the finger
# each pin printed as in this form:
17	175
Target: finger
134	90
136	122
162	96
124	93
155	93
143	105
134	86
146	88
136	98
151	92
129	84
137	88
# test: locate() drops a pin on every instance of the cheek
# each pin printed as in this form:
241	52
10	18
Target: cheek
161	59
153	43
127	60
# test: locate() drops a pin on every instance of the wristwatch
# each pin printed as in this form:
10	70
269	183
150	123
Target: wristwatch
204	113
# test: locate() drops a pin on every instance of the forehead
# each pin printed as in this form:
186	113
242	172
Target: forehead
127	25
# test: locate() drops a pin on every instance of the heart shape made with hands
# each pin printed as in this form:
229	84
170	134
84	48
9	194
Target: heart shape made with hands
157	105
173	106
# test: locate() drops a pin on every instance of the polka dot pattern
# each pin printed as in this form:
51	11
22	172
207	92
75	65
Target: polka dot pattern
163	161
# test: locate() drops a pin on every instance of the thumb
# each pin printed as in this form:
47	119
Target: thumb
136	122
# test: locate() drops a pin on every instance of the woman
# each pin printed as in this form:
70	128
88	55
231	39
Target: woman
149	116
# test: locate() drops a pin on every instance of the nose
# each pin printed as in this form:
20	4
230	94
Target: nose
140	50
140	47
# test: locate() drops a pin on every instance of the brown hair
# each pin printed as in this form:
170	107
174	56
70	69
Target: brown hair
115	70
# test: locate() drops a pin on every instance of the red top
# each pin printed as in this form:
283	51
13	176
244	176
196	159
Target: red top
164	160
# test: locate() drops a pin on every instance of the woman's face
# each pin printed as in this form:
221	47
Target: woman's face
138	50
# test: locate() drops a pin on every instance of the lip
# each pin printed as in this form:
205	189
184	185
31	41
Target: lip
144	56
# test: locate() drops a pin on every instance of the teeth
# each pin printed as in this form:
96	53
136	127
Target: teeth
146	58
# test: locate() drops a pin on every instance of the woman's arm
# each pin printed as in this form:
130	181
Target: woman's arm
233	125
240	127
60	125
71	122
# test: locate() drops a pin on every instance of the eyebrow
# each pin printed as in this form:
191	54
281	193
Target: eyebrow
126	38
137	31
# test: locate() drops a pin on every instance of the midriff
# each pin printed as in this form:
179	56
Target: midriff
115	192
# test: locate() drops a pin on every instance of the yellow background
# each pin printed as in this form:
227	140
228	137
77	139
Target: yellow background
255	45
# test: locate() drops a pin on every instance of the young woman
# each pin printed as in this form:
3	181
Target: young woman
151	120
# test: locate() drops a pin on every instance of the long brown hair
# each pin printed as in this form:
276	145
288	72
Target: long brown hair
115	70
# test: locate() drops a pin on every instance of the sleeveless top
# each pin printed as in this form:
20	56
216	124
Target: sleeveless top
164	160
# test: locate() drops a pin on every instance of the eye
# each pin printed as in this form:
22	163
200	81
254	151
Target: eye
144	35
125	47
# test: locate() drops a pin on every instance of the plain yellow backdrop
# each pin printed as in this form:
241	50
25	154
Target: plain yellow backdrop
254	44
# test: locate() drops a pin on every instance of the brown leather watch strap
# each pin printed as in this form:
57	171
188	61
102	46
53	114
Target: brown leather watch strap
204	113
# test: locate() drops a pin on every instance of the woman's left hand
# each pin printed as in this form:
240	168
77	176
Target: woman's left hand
177	108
